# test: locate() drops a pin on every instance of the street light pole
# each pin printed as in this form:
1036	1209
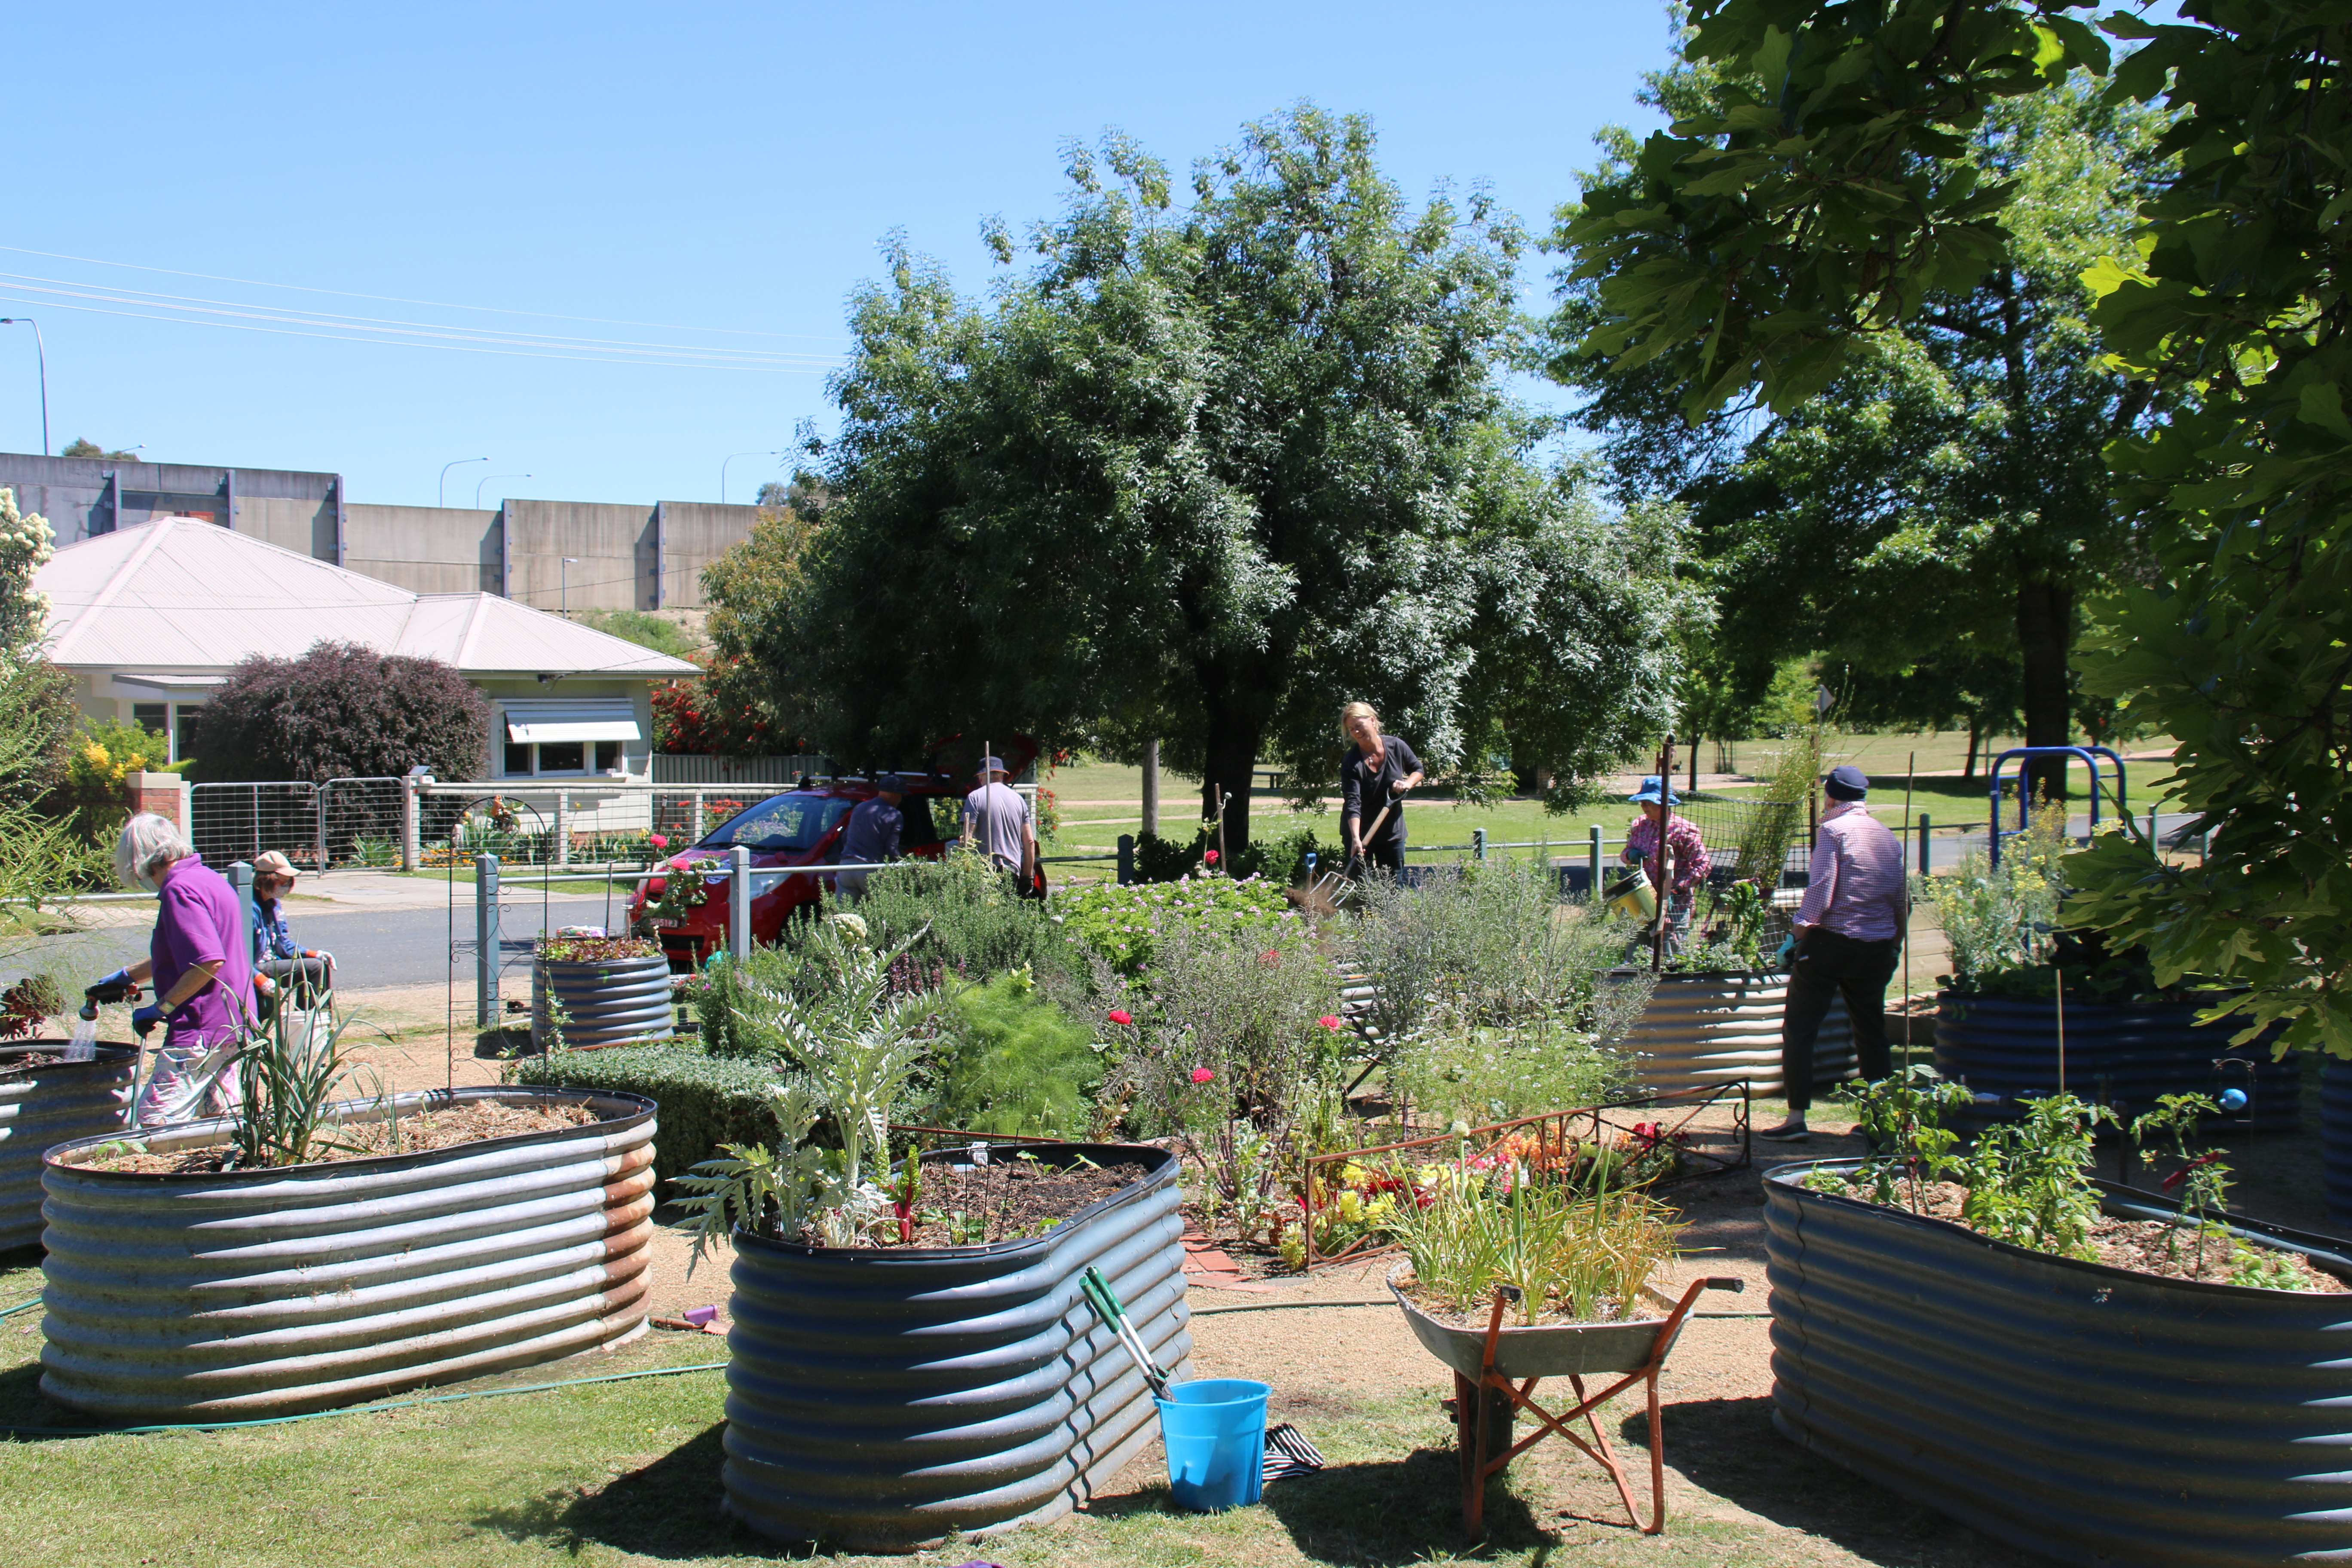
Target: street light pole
41	351
486	480
441	491
731	457
564	575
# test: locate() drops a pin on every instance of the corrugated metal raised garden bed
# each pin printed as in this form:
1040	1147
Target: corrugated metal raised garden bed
879	1399
1707	1030
2094	1413
172	1295
45	1100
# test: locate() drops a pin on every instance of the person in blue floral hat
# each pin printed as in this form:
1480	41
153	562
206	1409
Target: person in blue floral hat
1686	860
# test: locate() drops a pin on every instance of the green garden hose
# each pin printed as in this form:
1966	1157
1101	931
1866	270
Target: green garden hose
15	1432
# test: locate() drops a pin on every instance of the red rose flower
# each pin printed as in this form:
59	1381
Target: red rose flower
1211	857
1330	1020
1202	1075
1117	1016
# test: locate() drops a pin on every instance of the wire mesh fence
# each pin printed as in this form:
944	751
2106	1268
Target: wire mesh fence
597	823
240	821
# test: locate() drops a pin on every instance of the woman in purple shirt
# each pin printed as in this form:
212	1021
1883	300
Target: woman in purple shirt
200	966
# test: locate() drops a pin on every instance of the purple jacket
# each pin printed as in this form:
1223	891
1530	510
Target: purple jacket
1858	888
197	923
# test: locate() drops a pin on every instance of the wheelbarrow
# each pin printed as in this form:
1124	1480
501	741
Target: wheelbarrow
1497	1371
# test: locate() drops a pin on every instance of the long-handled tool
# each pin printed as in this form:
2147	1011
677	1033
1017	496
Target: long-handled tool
1106	1304
1356	863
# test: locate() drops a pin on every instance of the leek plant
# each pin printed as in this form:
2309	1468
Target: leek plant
1575	1255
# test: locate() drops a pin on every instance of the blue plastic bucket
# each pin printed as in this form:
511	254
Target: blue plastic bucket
1214	1432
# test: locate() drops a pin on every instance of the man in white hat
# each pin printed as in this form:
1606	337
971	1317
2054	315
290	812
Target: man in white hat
996	818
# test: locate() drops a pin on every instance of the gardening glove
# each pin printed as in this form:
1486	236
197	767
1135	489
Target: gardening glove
112	988
144	1019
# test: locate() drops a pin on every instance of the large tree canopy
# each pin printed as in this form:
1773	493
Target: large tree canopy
1936	510
1204	473
1762	243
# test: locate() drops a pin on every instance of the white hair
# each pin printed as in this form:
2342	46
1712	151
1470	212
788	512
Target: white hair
149	843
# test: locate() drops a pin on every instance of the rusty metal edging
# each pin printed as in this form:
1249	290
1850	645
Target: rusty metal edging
881	1399
2092	1413
255	1293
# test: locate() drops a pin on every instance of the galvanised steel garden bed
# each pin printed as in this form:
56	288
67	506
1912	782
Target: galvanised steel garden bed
48	1102
879	1399
171	1296
2096	1414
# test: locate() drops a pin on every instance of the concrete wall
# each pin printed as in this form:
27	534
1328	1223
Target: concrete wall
86	496
694	534
628	556
425	549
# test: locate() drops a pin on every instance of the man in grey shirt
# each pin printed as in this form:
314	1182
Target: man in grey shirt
997	819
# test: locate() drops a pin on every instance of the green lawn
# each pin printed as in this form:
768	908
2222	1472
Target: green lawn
628	1473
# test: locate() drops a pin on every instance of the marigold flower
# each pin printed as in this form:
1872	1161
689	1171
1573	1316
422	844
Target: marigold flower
1119	1016
1202	1075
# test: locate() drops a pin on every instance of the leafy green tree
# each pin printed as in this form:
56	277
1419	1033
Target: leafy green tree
1206	471
342	711
1942	501
80	447
1763	245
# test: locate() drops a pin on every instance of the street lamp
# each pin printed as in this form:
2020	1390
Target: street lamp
731	457
564	575
42	351
486	480
441	491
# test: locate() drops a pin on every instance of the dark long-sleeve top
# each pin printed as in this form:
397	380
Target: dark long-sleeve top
1364	783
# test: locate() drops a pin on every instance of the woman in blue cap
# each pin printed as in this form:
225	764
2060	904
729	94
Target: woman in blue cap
1686	849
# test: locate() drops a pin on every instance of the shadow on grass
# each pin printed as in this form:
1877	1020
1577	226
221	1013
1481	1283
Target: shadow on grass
1729	1448
1388	1513
668	1510
1384	1514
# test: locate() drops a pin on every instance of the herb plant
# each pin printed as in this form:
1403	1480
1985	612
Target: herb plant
1580	1255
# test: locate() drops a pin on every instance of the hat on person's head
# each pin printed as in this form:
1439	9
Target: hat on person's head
1654	791
889	784
1846	782
272	864
992	766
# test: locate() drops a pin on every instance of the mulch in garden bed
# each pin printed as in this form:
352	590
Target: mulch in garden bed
1008	1199
419	1134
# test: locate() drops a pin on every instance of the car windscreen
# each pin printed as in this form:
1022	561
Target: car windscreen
786	822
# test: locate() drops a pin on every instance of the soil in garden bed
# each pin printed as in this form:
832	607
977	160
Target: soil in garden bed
30	1061
2142	1246
1008	1199
471	1122
1474	1318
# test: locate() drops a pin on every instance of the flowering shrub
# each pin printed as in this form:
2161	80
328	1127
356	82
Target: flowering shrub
1125	925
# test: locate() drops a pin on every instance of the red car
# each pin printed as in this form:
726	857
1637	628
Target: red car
802	827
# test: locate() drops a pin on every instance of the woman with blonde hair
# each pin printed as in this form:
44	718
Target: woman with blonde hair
199	959
1378	773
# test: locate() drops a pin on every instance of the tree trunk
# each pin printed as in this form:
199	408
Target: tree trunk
2045	636
1151	788
1976	733
1232	764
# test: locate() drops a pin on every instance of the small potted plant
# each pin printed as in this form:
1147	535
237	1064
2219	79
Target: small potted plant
911	1352
2091	1371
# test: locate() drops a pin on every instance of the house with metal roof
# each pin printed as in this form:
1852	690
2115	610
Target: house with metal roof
150	619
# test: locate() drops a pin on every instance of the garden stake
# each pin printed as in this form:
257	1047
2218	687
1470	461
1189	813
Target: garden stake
1470	1402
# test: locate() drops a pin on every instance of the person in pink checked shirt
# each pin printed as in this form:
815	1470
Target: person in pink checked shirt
1849	930
1687	851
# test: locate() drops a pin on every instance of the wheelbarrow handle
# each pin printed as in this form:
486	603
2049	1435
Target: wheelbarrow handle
1730	1282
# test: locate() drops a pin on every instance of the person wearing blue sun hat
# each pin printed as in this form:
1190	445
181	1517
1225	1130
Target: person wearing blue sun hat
1687	851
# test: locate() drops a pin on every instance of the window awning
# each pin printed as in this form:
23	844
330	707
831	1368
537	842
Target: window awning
532	722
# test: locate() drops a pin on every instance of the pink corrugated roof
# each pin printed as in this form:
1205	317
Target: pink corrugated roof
180	593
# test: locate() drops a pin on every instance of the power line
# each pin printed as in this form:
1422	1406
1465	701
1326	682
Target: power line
65	287
399	299
451	347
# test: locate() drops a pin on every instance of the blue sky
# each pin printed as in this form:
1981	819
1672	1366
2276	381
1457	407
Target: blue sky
694	187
